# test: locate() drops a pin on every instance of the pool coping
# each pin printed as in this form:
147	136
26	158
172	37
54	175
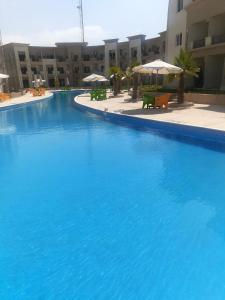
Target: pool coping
170	128
30	102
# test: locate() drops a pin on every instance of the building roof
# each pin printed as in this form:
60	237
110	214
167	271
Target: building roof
16	44
70	44
111	41
135	37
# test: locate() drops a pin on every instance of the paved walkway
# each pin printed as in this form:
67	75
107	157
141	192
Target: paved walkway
23	99
200	115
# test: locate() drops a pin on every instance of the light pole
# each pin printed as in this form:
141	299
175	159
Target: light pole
80	8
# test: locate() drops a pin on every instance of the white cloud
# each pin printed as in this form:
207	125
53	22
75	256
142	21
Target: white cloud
93	35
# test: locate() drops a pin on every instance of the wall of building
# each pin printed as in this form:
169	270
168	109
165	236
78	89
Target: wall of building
176	25
69	63
206	39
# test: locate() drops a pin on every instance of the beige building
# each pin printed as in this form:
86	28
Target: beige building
67	63
206	40
196	25
176	28
199	26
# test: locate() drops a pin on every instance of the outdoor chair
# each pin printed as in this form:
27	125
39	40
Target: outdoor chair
4	96
35	93
42	91
94	95
148	100
162	101
98	95
102	95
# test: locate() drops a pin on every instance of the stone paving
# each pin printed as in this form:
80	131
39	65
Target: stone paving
23	99
200	115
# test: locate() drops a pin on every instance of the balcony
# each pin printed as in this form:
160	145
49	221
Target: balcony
35	58
198	44
218	39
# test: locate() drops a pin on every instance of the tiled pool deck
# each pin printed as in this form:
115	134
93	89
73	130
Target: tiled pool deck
27	98
198	115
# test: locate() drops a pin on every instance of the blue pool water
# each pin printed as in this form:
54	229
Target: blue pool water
93	210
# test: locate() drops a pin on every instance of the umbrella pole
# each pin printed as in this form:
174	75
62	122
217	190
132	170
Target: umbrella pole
157	79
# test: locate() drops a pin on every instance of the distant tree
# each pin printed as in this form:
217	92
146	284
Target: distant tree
133	77
116	74
57	83
185	61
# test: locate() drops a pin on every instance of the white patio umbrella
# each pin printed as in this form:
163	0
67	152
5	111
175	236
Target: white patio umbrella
103	80
157	67
38	82
4	76
95	78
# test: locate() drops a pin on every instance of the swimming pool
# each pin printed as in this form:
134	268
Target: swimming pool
93	210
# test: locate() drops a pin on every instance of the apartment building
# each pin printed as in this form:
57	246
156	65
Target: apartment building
206	41
67	63
199	26
176	28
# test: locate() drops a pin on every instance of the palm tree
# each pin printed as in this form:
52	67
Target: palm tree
129	77
185	61
116	74
134	77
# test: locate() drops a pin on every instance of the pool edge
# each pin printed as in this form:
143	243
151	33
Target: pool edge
188	131
16	105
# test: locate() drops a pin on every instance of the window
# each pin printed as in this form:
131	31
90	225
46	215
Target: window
86	57
34	70
75	57
25	83
50	70
48	56
155	49
87	70
62	82
76	70
179	39
101	56
61	58
134	53
60	70
51	82
180	5
22	56
24	70
35	58
112	55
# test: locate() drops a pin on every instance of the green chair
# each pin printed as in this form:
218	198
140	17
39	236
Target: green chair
94	95
148	100
102	95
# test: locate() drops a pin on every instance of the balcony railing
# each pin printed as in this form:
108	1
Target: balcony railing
218	39
199	44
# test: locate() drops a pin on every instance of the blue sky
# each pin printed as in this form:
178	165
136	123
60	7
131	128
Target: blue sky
44	22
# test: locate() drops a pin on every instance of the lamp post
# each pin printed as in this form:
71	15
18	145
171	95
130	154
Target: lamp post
80	8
